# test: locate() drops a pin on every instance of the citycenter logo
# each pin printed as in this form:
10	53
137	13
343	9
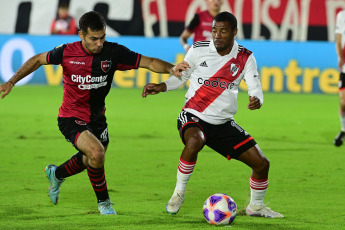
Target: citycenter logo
89	82
216	83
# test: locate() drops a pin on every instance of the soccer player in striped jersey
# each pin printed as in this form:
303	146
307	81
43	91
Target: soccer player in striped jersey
340	47
88	69
217	68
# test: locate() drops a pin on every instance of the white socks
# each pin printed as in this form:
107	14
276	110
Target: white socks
184	171
258	190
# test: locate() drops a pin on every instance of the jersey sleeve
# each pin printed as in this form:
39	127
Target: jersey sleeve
190	59
127	58
55	56
194	23
251	77
175	82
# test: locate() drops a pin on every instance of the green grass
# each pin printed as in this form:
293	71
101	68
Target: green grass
295	132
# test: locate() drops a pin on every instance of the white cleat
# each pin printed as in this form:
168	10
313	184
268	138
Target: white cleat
262	211
175	202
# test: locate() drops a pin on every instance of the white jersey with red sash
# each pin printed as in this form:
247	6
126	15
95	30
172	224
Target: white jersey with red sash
214	81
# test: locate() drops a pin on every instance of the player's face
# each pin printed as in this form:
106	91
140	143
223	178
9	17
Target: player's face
93	40
223	36
215	4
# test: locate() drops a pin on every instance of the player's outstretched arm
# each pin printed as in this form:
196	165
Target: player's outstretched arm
152	89
160	66
28	67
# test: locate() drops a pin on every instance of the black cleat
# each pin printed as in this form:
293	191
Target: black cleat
339	138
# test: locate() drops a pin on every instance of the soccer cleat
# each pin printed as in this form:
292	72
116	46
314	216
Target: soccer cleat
339	138
262	211
175	202
105	208
54	183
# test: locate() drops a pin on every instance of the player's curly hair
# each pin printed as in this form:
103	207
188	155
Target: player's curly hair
226	17
93	20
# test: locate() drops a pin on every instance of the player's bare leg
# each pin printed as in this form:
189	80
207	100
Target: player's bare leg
194	142
95	152
255	159
338	141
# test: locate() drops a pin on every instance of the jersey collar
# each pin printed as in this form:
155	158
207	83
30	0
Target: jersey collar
85	51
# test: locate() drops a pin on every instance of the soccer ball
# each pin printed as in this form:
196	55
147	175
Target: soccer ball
219	209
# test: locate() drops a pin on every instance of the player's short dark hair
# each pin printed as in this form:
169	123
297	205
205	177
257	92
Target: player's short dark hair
226	17
93	20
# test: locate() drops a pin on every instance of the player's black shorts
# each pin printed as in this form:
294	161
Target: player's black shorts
342	81
72	127
228	139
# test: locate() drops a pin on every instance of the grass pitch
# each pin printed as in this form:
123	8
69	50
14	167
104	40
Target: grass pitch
295	132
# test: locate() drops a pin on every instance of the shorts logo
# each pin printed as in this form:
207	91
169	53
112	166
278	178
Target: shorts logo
105	65
234	69
104	135
80	122
233	123
195	119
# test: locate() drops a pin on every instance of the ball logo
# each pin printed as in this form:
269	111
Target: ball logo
234	69
105	65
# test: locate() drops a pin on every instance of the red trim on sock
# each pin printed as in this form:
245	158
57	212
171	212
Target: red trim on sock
186	167
262	180
187	162
68	170
258	184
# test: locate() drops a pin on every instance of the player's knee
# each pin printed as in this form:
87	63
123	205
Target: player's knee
195	143
97	156
264	166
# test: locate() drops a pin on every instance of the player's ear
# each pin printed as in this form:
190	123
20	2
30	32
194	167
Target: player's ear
235	32
80	33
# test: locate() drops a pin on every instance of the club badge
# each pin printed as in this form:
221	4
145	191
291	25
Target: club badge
105	65
234	69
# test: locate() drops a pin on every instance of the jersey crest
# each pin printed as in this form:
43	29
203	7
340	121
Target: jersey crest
234	69
105	65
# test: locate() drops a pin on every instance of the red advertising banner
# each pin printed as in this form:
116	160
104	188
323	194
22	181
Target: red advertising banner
297	20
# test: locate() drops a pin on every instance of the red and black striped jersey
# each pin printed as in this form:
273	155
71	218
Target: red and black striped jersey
87	78
201	26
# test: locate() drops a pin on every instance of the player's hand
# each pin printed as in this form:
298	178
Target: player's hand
152	89
177	69
254	103
5	89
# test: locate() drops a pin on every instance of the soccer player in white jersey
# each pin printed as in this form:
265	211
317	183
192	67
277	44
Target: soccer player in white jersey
216	70
340	46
